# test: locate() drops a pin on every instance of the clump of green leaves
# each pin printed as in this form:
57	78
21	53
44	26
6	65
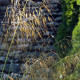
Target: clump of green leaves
69	21
76	37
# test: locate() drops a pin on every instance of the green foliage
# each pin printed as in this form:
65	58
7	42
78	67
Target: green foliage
69	21
76	37
78	2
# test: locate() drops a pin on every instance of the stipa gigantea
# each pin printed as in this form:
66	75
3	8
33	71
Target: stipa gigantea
29	24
